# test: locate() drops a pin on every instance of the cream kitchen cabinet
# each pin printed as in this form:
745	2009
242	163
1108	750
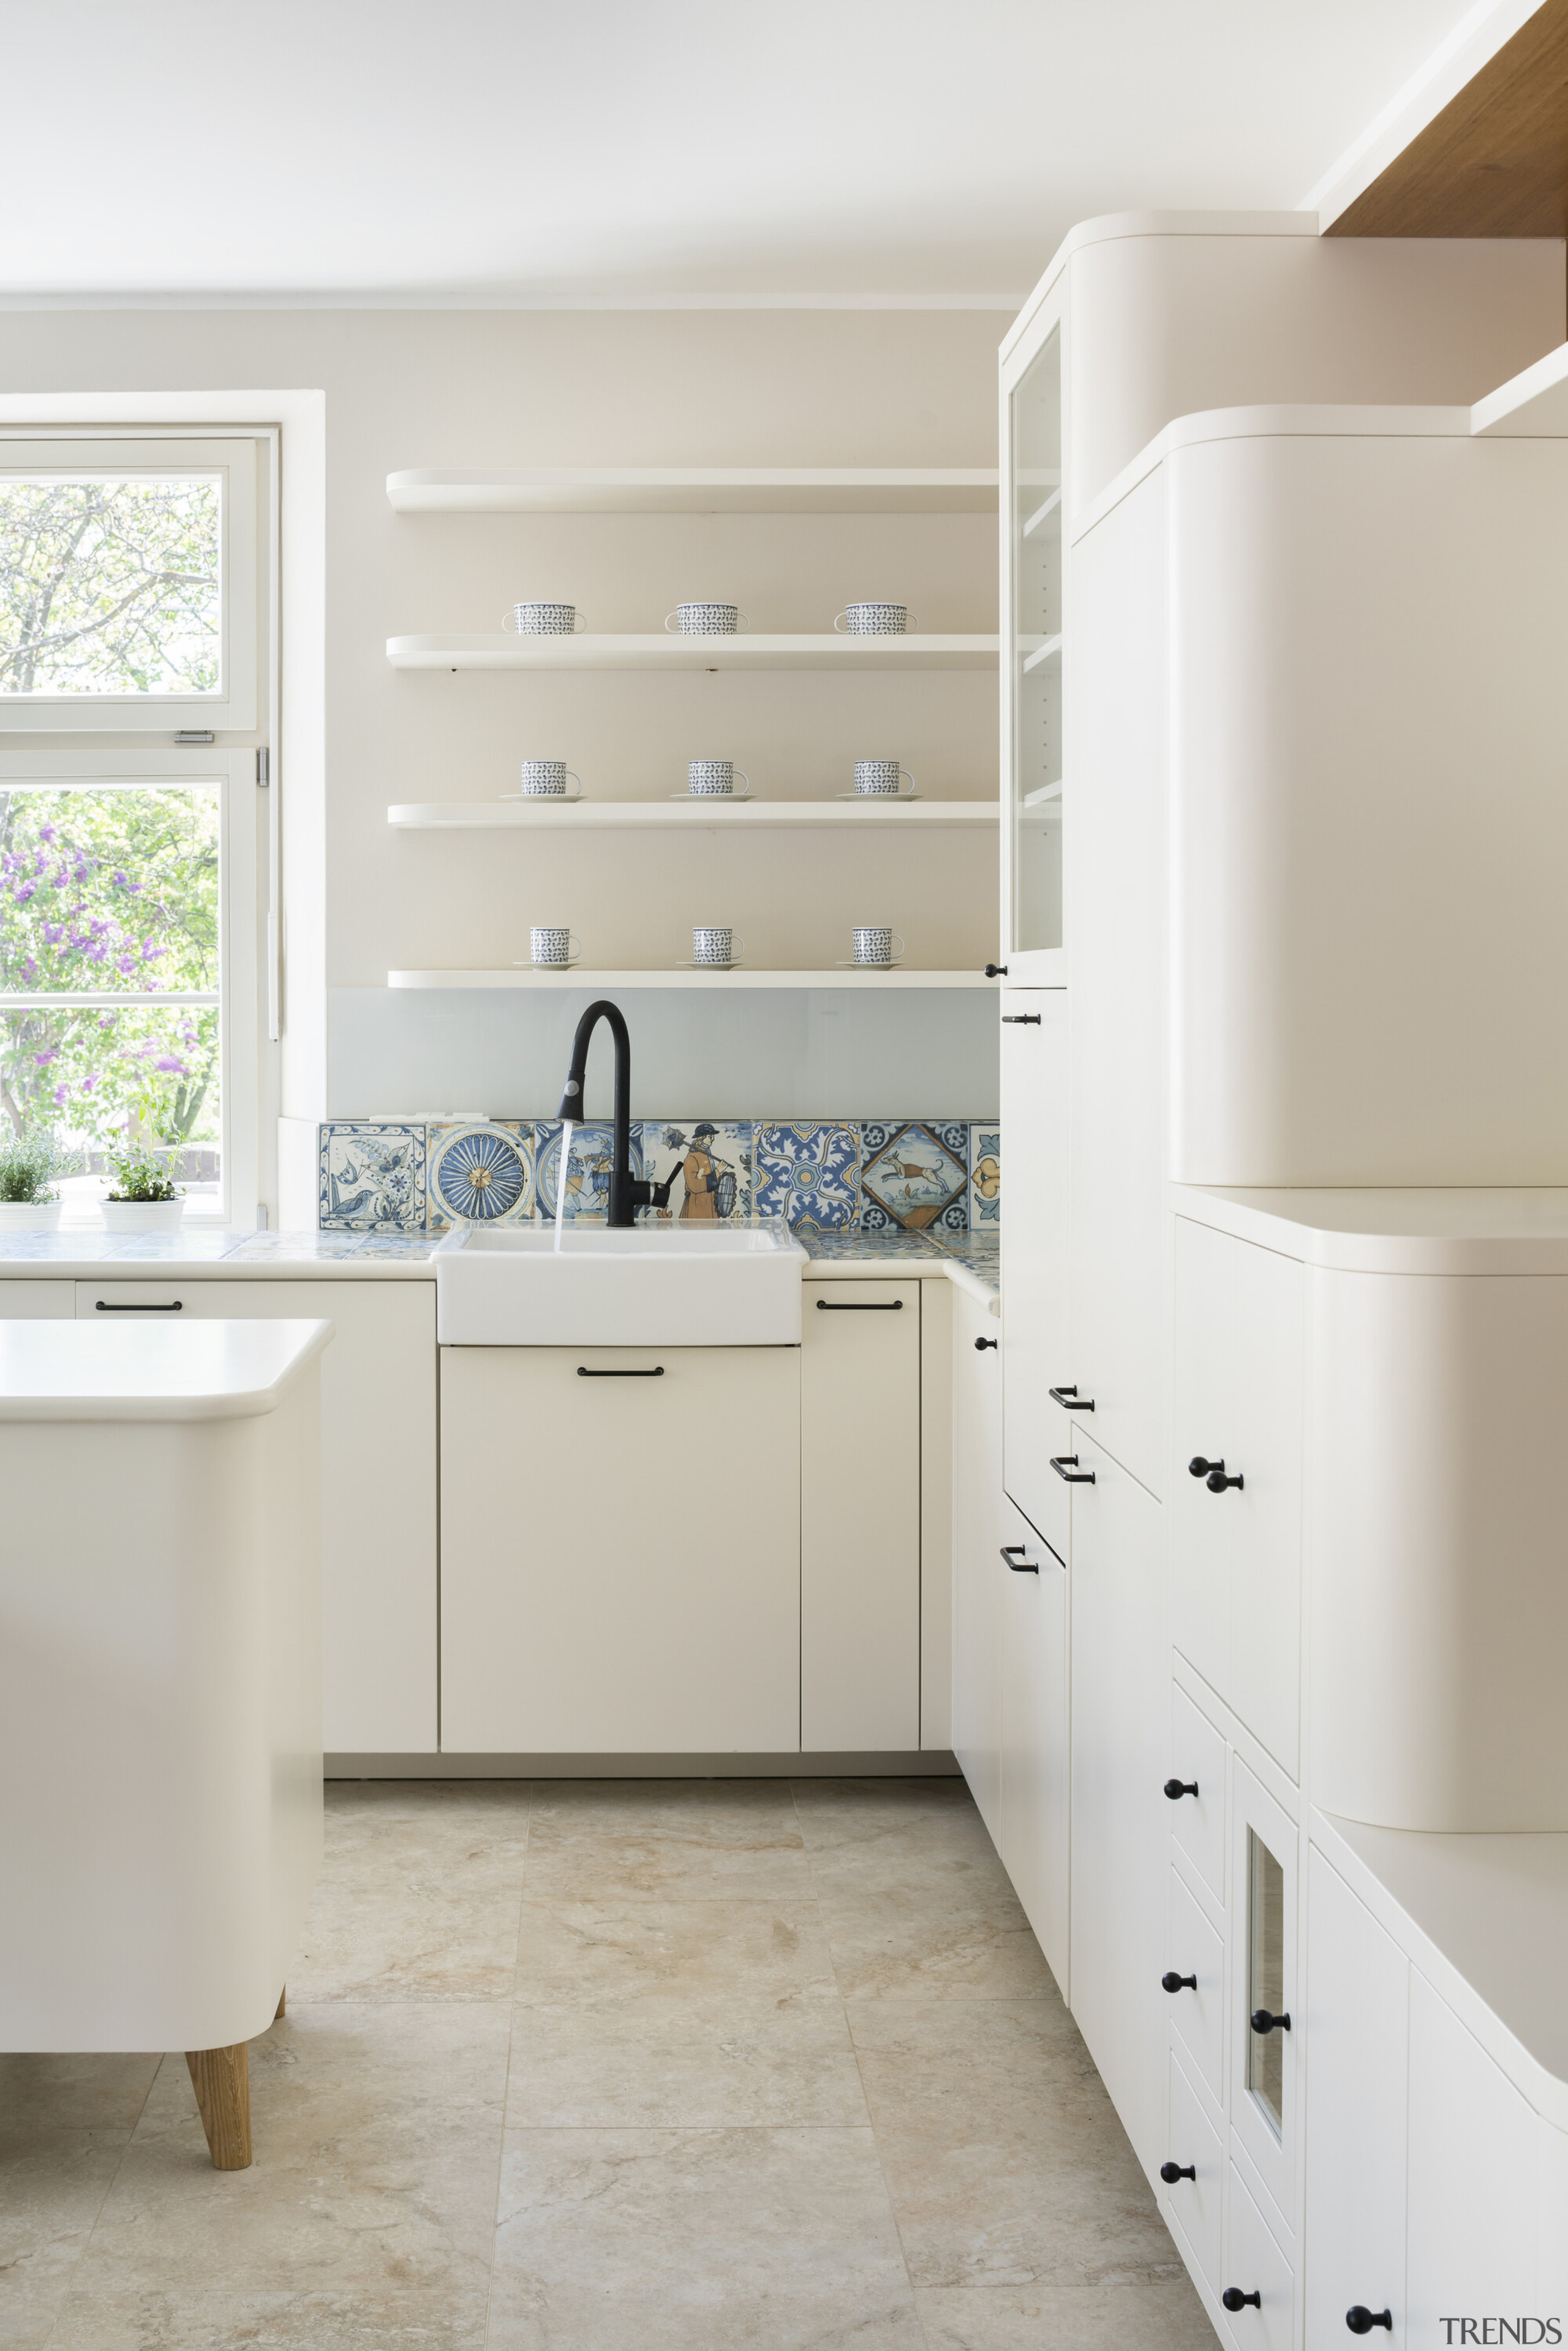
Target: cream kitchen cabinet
378	1486
621	1551
1034	1805
978	1571
1036	1348
860	1516
37	1301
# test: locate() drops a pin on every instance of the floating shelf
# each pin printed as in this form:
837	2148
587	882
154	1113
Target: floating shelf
744	977
700	489
1043	514
689	816
1530	407
672	652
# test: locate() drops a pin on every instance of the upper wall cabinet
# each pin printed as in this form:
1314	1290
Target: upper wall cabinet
1033	655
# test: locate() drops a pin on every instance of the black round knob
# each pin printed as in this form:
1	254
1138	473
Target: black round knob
1172	1982
1176	1789
1216	1480
981	1344
1261	2022
1198	1468
1234	2299
1361	2321
995	971
1171	2172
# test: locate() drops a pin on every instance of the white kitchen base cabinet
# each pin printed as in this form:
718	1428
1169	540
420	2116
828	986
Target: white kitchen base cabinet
1035	1813
36	1302
620	1549
1035	1348
860	1516
978	1571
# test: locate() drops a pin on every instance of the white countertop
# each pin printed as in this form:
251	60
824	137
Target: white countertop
1438	1230
194	1371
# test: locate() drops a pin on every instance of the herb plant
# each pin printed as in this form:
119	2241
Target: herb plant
140	1172
29	1160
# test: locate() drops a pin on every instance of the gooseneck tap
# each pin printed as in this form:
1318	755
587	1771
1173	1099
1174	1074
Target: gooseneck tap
627	1192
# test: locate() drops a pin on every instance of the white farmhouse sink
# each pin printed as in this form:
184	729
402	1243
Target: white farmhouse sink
652	1286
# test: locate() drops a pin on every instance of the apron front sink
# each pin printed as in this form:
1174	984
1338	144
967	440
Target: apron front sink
652	1286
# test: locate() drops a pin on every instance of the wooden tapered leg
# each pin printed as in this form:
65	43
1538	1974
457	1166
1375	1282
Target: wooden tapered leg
221	2078
282	2002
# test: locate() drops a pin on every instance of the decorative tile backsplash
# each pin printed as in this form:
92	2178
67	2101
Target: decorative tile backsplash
888	1176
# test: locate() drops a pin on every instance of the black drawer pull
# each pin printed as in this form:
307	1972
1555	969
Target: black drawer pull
997	971
1234	2299
583	1372
1066	1467
1070	1401
1021	1019
1263	2023
981	1344
1361	2321
1171	2172
860	1305
1176	1789
134	1306
1014	1555
1171	1982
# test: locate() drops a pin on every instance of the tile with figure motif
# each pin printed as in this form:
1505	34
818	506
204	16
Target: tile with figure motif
809	1173
372	1178
587	1177
711	1164
480	1172
986	1178
915	1176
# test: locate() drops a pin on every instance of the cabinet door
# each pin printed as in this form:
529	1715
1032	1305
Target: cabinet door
1197	2011
1197	1760
37	1301
1035	1810
1195	2207
977	1570
1119	1826
1035	1352
860	1516
1471	2241
620	1549
1236	1553
1254	2264
1264	2067
377	1490
1356	2045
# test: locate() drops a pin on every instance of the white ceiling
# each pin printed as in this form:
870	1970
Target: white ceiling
700	148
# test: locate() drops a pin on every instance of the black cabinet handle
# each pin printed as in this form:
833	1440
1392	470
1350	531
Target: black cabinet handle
1176	1789
1171	2172
118	1306
1171	1982
1198	1468
1234	2299
1263	2023
1361	2321
584	1373
1216	1480
1070	1401
1021	1019
997	971
1019	1563
981	1344
860	1305
1066	1467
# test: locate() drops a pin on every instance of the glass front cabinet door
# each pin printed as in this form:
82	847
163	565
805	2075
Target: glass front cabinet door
1033	637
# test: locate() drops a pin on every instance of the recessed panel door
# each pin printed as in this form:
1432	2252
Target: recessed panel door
1036	1356
1036	1818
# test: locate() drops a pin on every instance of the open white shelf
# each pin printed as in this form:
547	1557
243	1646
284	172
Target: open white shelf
1049	650
899	977
689	816
1051	507
699	489
826	651
1530	407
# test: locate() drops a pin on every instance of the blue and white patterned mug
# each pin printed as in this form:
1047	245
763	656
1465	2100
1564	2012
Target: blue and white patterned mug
707	620
542	619
715	944
551	945
873	943
875	620
878	778
715	779
545	780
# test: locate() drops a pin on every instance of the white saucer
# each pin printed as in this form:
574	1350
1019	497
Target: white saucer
907	798
686	964
526	963
562	799
854	963
732	798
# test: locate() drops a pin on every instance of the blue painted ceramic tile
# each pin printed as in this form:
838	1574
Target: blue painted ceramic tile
480	1174
986	1178
710	1161
809	1173
372	1178
914	1177
587	1178
889	1246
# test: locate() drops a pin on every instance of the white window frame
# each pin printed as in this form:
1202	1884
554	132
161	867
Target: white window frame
233	774
232	709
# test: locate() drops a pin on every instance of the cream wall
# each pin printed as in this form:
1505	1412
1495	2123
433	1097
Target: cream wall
465	389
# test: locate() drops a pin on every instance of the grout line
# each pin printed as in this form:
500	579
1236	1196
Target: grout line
110	2186
507	2076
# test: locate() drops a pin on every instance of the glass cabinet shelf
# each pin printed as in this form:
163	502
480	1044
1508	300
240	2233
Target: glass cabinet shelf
1033	627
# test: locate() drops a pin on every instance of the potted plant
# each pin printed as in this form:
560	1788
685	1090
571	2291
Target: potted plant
145	1198
29	1161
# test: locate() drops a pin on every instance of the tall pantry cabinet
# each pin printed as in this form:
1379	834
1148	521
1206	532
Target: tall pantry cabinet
1146	951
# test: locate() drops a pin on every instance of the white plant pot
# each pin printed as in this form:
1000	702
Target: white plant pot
142	1216
30	1216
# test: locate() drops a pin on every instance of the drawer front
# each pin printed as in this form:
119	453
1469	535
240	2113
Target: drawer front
1197	1822
1195	2207
1254	2264
1035	1813
1197	2012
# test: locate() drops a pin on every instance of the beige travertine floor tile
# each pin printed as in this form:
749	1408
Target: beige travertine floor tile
419	1895
683	2063
934	1944
1004	2156
673	2241
583	1953
1166	2317
53	2182
898	1836
666	1840
365	2220
73	2093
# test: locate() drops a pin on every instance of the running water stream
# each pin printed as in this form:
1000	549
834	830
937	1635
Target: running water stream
563	1169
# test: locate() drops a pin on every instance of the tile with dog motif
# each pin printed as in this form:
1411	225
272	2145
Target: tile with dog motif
914	1176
